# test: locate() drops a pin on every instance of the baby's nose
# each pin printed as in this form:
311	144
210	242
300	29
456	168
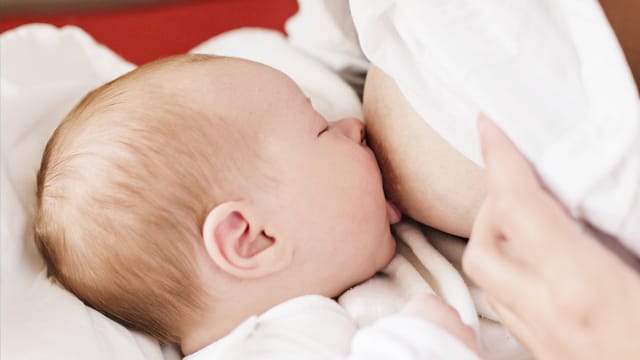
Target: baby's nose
351	128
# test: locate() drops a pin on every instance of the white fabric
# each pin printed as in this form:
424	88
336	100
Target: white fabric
550	73
406	276
423	267
44	71
315	327
366	326
336	44
495	340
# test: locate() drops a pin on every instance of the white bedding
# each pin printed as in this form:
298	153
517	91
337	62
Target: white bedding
44	71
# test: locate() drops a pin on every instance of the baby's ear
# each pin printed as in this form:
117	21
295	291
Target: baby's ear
235	239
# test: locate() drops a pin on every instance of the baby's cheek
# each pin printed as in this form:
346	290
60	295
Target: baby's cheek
385	250
391	252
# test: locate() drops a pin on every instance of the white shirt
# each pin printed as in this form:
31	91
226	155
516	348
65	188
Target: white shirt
550	73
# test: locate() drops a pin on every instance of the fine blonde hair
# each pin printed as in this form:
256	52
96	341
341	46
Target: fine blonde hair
122	191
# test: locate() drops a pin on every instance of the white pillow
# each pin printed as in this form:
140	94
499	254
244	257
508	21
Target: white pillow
44	72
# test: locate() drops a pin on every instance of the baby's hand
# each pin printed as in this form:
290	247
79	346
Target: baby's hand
436	311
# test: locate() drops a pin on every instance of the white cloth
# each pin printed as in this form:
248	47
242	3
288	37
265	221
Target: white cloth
366	326
316	327
550	73
430	261
336	44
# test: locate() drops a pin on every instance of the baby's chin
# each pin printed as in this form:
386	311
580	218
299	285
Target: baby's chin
384	259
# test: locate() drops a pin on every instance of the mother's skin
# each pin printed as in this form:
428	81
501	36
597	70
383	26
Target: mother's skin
427	178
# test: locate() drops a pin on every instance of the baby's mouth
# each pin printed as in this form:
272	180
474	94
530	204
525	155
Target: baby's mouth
393	213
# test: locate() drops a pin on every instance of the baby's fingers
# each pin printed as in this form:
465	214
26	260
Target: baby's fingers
433	309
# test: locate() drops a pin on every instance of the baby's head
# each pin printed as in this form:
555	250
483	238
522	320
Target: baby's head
198	190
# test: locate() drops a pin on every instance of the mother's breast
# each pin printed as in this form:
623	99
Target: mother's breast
426	177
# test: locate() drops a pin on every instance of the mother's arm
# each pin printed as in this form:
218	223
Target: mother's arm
426	177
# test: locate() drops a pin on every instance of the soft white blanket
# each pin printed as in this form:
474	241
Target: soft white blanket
420	267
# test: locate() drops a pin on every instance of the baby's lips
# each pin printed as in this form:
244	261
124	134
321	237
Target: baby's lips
393	213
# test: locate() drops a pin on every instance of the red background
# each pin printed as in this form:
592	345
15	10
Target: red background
144	33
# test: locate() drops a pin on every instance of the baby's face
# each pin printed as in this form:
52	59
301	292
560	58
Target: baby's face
325	190
329	196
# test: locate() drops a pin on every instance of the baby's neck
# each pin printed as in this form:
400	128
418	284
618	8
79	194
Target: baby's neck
206	333
215	324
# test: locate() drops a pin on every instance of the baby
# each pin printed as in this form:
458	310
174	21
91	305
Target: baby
193	193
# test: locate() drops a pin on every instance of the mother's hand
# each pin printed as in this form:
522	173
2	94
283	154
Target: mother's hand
557	289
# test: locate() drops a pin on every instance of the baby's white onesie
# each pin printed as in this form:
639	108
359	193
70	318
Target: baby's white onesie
316	327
